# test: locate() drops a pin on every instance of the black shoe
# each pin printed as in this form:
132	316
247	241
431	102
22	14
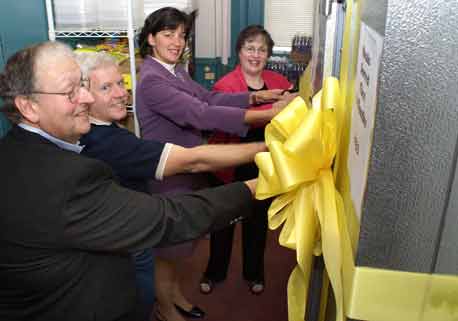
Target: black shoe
205	285
256	287
159	316
195	312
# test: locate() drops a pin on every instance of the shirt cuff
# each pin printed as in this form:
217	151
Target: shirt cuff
159	174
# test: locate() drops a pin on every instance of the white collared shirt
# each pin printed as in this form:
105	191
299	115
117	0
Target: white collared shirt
169	67
96	121
77	148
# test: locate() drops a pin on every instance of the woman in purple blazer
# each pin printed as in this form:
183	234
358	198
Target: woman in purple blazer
173	108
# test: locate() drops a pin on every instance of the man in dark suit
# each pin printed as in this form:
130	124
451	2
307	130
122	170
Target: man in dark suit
66	227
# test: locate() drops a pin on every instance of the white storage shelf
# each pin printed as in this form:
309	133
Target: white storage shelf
90	34
95	32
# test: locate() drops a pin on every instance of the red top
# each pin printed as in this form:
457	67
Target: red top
234	82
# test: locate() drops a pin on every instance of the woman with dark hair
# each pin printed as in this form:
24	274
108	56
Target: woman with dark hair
173	108
254	46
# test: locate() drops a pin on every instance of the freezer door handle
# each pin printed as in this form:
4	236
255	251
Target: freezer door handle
328	8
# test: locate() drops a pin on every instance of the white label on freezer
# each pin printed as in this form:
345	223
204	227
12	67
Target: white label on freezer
363	112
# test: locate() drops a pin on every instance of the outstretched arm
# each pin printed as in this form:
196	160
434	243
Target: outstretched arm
262	116
265	96
101	215
207	158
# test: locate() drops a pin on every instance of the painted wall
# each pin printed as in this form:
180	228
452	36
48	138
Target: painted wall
206	29
22	23
4	125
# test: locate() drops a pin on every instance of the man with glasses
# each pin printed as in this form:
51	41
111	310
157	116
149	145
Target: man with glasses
66	227
72	94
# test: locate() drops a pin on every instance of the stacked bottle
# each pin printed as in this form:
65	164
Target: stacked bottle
301	48
292	71
293	65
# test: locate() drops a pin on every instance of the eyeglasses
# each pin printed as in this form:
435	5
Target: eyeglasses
252	50
72	94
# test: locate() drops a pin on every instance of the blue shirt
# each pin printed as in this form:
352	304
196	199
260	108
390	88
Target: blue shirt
62	144
134	161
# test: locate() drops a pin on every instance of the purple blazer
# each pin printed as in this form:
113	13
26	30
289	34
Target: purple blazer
177	110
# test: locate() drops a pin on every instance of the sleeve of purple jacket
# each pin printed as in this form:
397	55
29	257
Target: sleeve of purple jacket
239	99
189	108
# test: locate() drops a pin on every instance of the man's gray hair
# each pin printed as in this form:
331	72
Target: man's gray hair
90	61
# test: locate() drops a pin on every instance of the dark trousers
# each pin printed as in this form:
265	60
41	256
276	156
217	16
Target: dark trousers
254	232
144	277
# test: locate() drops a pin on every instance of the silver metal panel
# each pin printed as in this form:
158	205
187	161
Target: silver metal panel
415	135
447	259
340	24
318	47
373	13
326	37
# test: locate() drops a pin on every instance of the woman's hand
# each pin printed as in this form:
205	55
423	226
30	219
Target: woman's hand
265	96
253	117
283	102
278	107
287	96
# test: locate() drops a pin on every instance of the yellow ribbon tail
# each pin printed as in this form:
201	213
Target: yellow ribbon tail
330	235
297	293
268	181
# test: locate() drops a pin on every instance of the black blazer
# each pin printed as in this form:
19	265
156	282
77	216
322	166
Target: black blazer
67	228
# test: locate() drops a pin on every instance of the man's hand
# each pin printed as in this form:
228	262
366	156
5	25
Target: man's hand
251	184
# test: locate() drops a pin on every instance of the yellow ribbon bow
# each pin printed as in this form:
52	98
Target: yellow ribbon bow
298	169
302	144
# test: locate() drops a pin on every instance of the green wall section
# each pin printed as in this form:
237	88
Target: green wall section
22	23
209	70
4	125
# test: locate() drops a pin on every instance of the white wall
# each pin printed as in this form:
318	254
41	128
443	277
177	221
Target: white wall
213	29
206	29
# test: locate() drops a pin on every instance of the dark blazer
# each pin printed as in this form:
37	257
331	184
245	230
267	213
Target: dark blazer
67	228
